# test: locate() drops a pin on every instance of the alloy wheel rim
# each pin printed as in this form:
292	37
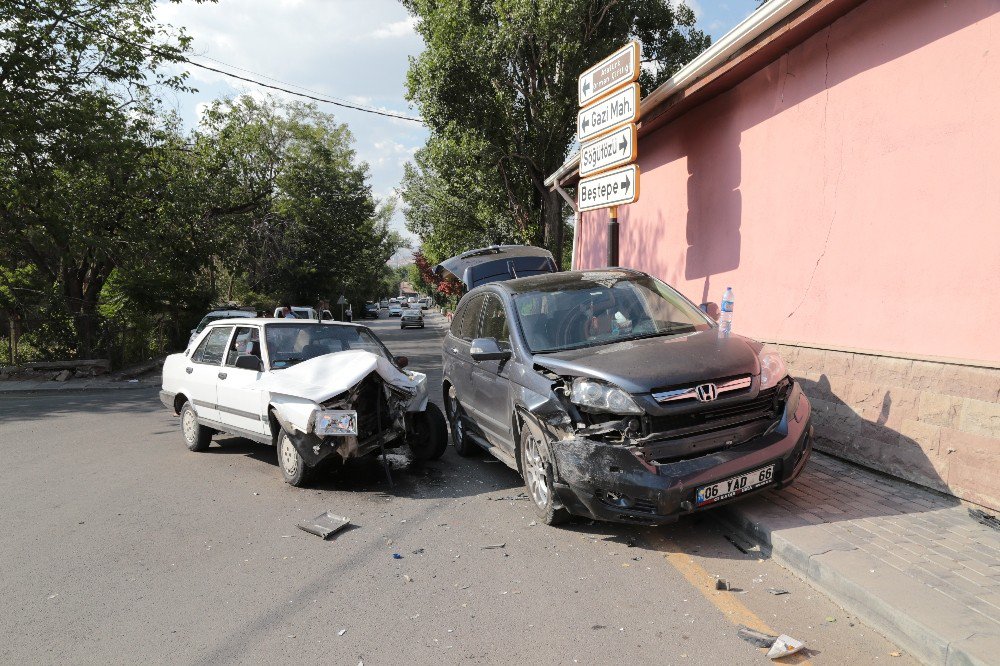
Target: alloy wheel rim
189	426
289	461
535	476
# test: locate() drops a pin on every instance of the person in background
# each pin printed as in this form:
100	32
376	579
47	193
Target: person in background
286	312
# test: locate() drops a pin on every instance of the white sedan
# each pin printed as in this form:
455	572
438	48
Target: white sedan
319	391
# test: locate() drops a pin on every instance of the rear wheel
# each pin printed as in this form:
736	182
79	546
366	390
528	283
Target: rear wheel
536	468
463	445
196	436
293	467
429	434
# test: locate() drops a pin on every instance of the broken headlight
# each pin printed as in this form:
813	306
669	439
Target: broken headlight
336	422
772	369
601	397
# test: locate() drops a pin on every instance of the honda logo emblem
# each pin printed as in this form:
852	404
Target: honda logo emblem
707	392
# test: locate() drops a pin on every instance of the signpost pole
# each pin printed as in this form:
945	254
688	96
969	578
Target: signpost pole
613	236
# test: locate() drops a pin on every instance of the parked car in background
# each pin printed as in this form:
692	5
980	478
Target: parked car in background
383	304
371	311
321	392
616	398
425	303
216	315
411	316
395	310
303	312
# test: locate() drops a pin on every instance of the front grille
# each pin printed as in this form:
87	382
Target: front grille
767	404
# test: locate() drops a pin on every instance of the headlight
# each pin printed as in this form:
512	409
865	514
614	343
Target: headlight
772	369
336	422
602	397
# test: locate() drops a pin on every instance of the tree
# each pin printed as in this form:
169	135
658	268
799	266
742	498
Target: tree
78	120
500	77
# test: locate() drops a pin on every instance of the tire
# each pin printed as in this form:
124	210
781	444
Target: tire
196	436
536	468
463	445
293	467
429	439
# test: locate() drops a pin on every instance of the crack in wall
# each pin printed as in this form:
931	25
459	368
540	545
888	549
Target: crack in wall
836	187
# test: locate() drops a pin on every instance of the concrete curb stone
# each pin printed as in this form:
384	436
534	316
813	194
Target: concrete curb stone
19	388
931	626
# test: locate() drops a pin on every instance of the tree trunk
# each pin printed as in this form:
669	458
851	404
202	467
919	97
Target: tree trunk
552	222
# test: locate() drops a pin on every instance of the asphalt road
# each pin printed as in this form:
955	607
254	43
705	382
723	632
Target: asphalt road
119	545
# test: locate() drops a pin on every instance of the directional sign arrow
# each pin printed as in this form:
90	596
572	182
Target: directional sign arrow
627	183
586	87
608	189
623	145
585	123
608	151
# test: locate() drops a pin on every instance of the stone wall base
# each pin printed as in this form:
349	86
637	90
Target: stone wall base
936	424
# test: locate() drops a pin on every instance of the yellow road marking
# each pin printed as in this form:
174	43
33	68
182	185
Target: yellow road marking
727	603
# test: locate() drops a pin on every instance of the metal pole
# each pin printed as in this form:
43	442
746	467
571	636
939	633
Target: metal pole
613	236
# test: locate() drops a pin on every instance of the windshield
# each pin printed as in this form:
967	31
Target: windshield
288	344
598	311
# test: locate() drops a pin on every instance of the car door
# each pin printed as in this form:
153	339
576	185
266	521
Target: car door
490	380
458	362
240	391
203	370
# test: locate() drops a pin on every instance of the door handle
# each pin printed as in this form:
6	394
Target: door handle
189	370
223	375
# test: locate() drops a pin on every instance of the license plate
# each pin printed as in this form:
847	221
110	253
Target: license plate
733	486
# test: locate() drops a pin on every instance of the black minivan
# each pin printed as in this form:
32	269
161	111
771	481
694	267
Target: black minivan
615	397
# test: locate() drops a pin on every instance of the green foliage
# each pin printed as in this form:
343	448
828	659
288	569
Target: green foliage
497	86
117	230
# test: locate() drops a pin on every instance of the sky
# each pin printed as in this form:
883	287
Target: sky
353	50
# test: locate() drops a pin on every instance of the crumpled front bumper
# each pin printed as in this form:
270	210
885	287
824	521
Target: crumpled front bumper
609	482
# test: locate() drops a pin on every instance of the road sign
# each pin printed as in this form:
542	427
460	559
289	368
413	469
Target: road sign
341	300
609	113
611	188
616	70
608	151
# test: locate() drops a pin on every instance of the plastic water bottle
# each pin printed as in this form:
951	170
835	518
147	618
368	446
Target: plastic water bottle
726	314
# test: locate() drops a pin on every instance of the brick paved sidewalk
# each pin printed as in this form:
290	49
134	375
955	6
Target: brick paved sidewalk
912	563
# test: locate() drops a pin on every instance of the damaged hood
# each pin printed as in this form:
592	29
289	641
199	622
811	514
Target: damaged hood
327	376
642	366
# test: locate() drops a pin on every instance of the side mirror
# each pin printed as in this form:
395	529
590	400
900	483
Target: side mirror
488	349
402	362
711	309
248	362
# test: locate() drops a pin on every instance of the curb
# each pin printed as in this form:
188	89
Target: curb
944	632
6	392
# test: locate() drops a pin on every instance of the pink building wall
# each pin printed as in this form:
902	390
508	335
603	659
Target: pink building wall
849	192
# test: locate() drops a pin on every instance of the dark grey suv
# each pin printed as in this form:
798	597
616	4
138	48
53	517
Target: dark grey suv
616	398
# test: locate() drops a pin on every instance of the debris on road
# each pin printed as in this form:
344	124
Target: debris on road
755	637
342	632
895	654
324	525
783	646
418	551
983	518
722	584
776	591
494	546
397	556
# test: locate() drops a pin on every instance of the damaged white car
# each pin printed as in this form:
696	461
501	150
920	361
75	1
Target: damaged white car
321	392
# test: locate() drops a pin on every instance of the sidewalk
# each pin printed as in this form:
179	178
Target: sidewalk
912	563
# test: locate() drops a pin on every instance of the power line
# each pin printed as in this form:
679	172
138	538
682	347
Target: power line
178	57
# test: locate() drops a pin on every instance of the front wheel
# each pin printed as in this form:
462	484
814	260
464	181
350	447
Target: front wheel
536	468
196	436
429	434
293	467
